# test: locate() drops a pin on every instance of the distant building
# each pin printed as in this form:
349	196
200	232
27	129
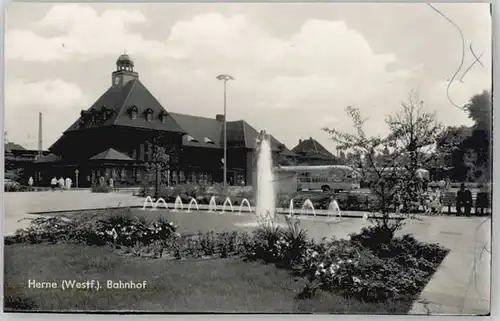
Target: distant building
311	152
18	157
113	138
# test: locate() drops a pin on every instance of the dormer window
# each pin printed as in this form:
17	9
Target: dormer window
105	112
191	139
208	140
93	114
149	114
133	112
163	117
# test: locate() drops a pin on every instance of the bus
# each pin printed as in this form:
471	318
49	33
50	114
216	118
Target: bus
320	177
421	173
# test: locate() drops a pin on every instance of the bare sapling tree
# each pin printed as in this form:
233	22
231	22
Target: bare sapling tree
163	155
391	164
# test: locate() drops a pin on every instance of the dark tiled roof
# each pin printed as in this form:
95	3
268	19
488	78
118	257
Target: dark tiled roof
119	101
111	154
209	132
311	147
200	130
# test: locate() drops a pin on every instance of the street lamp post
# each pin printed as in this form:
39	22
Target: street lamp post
225	78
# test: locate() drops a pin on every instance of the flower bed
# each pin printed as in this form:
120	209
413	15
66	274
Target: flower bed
369	267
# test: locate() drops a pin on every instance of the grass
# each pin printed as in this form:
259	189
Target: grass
217	285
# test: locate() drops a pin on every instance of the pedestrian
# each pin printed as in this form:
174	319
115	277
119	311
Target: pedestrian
482	200
68	182
464	200
30	183
61	183
111	184
53	183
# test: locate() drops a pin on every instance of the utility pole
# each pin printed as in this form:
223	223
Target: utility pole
225	78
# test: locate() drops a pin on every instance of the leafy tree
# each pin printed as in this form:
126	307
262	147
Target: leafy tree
480	111
393	178
467	149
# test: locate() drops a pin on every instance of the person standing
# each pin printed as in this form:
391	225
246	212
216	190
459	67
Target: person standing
111	184
53	183
30	183
464	200
68	183
61	183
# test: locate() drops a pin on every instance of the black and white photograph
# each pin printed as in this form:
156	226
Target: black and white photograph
326	158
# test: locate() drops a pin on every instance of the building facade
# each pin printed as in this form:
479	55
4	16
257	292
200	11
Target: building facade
113	139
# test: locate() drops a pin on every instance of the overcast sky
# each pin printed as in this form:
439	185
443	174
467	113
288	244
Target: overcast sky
296	66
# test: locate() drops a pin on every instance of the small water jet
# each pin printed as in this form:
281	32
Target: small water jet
150	200
212	205
308	203
243	202
178	203
335	208
227	201
161	200
191	202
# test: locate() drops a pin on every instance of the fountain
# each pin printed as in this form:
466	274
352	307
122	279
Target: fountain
335	208
290	211
309	204
212	205
178	203
243	202
161	200
150	200
191	202
227	201
265	208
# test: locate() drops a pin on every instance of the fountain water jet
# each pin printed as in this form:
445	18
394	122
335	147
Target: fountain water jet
191	202
150	200
227	201
161	200
178	203
212	205
243	202
265	208
309	204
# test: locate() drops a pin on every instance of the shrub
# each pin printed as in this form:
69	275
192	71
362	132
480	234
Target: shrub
100	189
118	228
373	237
14	187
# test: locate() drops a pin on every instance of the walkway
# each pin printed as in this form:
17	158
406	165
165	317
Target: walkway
18	205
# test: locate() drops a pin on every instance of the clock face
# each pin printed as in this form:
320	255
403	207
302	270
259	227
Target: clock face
117	80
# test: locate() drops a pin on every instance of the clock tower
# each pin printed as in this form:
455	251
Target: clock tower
124	71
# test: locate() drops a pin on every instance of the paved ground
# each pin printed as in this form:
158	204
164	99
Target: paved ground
460	286
18	205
